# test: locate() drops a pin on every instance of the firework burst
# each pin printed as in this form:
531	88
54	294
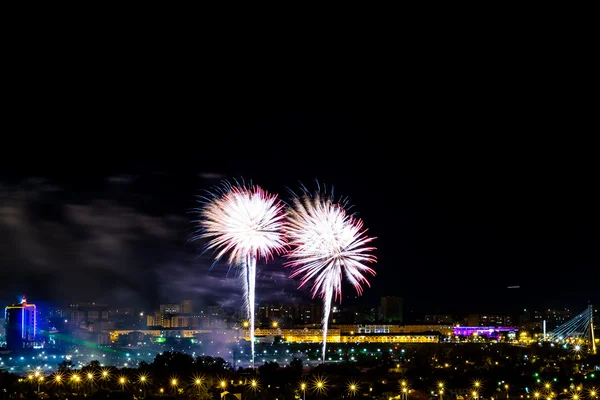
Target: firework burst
246	223
326	244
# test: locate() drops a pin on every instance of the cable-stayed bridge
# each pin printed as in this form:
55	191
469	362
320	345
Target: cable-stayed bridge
578	330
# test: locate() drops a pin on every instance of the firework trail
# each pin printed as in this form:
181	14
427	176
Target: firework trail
246	223
327	243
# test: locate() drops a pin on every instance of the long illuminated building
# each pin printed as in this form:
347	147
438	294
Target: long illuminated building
336	336
21	325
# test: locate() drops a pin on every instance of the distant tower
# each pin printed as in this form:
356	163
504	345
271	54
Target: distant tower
592	337
391	309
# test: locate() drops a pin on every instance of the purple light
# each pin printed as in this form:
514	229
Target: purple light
487	331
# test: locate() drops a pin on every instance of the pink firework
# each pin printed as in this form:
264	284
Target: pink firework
327	244
247	223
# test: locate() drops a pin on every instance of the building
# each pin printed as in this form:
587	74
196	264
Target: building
307	313
170	308
439	319
488	320
358	329
186	307
89	316
21	325
335	335
555	318
2	333
490	332
391	309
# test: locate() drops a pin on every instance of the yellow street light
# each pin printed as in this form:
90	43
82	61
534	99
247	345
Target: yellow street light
352	388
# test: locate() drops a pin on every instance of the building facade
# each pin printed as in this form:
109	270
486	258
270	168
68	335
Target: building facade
20	325
391	309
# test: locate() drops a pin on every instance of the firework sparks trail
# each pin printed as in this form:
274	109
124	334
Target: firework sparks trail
326	244
246	223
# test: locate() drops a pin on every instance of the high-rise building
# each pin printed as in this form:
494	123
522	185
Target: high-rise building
21	325
2	333
86	314
170	308
391	309
185	307
308	313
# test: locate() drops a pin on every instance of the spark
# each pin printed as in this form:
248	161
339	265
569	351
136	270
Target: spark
326	244
246	223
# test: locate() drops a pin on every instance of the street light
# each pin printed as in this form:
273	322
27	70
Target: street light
122	383
352	388
39	380
303	387
143	379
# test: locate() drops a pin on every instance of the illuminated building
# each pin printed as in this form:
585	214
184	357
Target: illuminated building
445	330
186	307
269	335
392	338
170	308
21	325
2	333
491	332
336	336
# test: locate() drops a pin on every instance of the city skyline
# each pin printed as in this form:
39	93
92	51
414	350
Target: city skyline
451	225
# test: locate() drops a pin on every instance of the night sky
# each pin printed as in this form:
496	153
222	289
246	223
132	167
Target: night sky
466	196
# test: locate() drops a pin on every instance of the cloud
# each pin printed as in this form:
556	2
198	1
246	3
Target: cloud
99	249
121	179
211	175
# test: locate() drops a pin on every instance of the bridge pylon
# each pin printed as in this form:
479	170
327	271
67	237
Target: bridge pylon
592	336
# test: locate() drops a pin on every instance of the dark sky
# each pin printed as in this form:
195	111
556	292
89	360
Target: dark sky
472	180
457	219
